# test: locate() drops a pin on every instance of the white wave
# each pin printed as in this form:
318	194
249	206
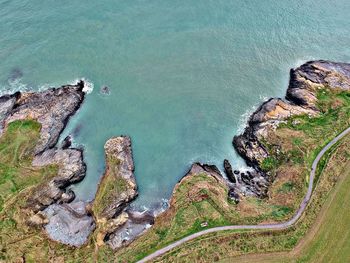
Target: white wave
88	85
14	86
301	61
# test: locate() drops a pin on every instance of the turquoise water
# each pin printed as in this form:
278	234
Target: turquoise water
182	74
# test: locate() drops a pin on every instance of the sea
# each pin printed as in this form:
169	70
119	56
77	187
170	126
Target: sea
182	75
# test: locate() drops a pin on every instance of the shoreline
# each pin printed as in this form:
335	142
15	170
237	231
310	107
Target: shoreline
300	100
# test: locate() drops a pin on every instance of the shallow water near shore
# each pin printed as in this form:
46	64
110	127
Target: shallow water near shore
182	74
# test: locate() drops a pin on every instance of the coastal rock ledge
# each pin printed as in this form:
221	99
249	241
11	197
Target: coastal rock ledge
301	99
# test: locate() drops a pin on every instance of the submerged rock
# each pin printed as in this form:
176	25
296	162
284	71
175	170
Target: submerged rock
105	90
15	74
67	142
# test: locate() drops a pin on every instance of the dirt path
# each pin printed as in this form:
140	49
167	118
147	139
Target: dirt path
283	225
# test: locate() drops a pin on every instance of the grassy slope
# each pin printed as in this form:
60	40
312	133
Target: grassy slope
17	180
331	243
329	238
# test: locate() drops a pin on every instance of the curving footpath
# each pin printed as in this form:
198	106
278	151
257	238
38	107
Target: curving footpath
284	225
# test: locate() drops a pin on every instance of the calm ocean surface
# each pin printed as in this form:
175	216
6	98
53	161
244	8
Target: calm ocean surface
182	74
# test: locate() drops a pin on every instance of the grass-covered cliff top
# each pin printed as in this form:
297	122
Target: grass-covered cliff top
18	178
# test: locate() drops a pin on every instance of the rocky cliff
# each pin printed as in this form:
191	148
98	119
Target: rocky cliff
301	98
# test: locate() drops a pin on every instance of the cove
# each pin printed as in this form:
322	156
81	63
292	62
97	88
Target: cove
181	74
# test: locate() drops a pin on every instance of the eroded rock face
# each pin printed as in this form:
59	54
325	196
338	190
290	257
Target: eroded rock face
300	99
211	170
229	172
71	170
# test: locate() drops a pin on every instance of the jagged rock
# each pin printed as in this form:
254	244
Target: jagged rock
7	103
69	223
229	172
67	196
71	170
304	79
212	170
300	99
141	218
66	143
120	166
51	108
38	220
109	207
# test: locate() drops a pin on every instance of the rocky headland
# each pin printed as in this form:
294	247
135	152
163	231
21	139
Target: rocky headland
117	224
300	99
52	109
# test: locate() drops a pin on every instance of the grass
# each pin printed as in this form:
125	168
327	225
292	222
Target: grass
17	179
110	186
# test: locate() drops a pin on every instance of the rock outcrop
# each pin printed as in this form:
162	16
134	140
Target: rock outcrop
229	172
71	170
51	108
119	177
115	192
300	99
47	202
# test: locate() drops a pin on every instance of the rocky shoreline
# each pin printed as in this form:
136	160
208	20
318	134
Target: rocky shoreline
52	109
300	99
50	205
110	216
